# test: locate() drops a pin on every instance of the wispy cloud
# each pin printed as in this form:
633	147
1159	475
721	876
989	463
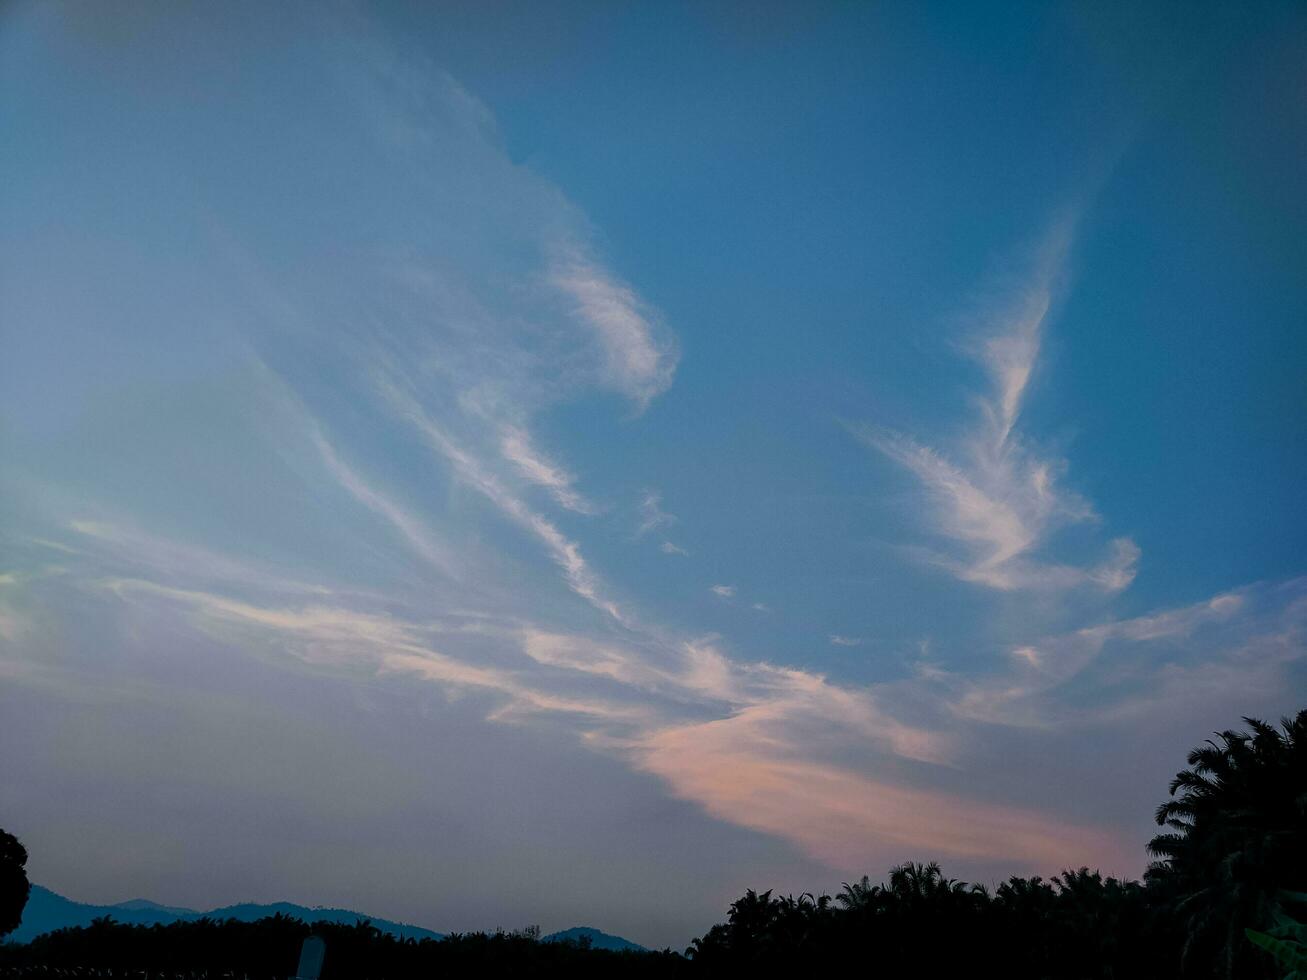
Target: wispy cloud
344	637
415	531
565	552
652	515
768	753
787	717
167	558
1096	672
639	357
740	770
516	445
997	498
769	724
446	341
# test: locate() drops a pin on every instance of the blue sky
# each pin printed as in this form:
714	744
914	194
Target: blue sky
463	461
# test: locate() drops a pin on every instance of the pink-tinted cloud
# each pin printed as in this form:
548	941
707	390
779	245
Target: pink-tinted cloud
750	774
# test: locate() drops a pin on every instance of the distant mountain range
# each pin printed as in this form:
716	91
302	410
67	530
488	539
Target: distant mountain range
47	911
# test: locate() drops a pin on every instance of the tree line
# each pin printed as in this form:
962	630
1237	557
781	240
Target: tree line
1225	897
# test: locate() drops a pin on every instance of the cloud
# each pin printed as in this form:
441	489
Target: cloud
997	498
1259	666
740	770
516	446
663	696
469	325
768	756
1092	674
176	560
639	358
769	747
338	636
586	655
1174	622
415	531
565	552
789	716
456	307
652	516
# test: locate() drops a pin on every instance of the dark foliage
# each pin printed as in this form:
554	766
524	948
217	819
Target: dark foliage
1236	838
269	948
922	923
1235	850
14	886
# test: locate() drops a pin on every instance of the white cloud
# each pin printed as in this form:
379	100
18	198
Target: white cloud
517	447
565	552
651	715
639	359
1140	657
996	498
758	744
1174	622
343	637
462	326
415	532
583	654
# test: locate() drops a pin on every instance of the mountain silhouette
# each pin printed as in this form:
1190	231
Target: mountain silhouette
47	911
598	940
145	905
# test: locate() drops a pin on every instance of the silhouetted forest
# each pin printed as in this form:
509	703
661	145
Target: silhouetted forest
270	948
1225	897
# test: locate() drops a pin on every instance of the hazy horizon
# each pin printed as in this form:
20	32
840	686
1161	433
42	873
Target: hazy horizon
490	464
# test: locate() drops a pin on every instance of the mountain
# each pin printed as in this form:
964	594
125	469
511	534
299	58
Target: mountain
250	912
47	911
145	905
598	940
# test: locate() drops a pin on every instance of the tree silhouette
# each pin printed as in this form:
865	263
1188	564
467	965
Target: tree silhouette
1237	835
14	886
269	950
861	895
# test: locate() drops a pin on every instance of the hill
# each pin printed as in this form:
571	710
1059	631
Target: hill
598	940
47	911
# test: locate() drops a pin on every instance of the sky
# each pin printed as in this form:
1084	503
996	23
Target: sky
486	464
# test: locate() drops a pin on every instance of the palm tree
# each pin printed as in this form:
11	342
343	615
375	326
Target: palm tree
861	895
1237	834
